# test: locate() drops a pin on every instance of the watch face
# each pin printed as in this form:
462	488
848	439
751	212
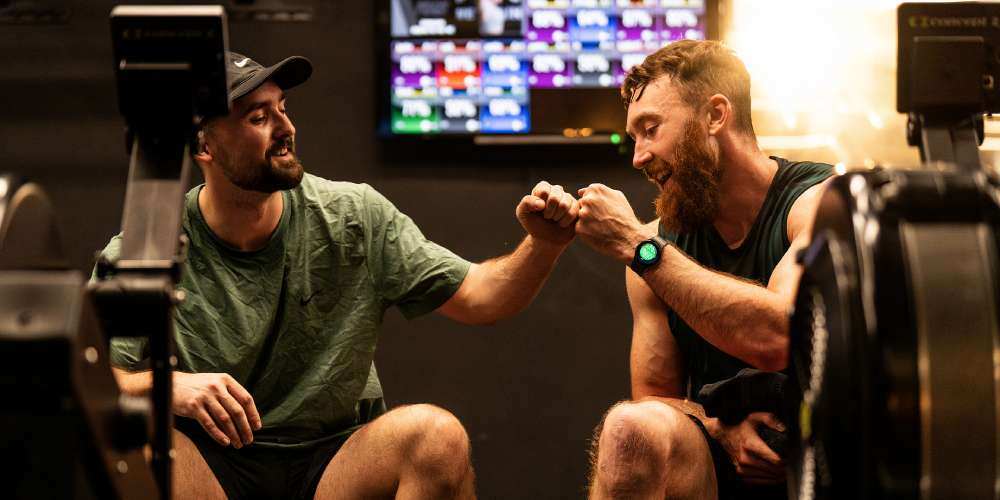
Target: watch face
648	252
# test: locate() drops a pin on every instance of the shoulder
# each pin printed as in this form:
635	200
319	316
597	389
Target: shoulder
111	252
803	171
318	188
339	196
803	210
114	247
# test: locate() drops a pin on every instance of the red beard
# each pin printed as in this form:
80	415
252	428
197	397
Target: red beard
690	198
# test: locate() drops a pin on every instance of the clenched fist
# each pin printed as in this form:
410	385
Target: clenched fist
607	222
548	214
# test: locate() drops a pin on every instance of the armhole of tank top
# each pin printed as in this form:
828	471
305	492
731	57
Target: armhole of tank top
784	217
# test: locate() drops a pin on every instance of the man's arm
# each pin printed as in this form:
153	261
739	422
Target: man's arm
500	288
741	318
138	384
655	361
218	402
656	364
657	373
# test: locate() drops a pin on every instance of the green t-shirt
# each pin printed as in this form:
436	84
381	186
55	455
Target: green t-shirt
296	322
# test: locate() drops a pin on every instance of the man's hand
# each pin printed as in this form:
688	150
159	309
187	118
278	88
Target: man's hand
755	462
607	222
220	404
548	214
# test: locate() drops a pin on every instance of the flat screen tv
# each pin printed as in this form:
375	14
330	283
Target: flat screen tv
519	71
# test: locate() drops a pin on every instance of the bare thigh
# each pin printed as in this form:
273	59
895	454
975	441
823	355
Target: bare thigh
192	476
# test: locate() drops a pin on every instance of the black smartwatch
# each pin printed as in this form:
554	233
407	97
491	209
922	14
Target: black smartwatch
647	254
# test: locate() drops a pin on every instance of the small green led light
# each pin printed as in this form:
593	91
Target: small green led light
616	139
647	252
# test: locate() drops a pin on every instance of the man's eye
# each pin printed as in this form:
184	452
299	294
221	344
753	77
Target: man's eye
651	130
257	119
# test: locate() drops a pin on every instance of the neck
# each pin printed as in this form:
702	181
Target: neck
244	220
747	175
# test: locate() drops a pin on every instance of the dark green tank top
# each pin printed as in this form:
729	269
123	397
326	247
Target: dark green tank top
755	259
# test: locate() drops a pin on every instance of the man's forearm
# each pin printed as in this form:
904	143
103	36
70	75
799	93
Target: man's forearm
739	317
133	383
506	285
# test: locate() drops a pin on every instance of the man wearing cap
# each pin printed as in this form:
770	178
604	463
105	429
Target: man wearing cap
287	278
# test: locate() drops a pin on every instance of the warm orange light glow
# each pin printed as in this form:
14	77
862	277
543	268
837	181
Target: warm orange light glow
823	68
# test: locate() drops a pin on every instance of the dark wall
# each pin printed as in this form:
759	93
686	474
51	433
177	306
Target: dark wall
529	390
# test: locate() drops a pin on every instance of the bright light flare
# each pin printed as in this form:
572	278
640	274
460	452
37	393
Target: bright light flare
824	68
814	56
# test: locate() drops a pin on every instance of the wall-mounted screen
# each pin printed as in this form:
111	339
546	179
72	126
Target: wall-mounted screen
484	67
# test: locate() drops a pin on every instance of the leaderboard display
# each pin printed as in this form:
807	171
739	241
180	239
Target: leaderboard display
473	66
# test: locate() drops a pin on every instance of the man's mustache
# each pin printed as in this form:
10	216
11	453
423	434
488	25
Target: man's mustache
286	142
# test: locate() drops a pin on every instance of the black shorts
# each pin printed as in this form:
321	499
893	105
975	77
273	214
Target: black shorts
731	487
259	472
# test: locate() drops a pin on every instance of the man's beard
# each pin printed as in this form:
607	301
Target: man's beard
690	197
267	175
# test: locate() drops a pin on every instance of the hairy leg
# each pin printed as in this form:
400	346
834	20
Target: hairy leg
648	449
417	451
192	476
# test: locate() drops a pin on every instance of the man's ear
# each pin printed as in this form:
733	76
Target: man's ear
202	154
720	111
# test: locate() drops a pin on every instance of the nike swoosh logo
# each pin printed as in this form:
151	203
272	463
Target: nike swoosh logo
306	300
240	64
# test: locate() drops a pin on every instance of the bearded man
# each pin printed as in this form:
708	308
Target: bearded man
287	278
710	282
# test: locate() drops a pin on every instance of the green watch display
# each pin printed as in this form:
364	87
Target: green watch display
647	254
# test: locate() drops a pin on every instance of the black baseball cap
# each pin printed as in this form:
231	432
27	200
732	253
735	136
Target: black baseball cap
245	74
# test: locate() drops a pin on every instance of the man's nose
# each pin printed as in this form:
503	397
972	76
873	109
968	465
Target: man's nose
285	126
641	158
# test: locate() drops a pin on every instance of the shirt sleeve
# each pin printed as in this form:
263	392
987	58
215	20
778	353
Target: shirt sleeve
128	353
411	272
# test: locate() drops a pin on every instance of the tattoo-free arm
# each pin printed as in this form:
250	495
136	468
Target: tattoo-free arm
657	374
500	288
656	363
133	383
741	318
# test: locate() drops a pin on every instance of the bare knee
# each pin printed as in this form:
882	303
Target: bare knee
636	444
438	445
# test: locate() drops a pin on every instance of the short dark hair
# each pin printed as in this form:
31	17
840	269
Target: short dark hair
699	68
